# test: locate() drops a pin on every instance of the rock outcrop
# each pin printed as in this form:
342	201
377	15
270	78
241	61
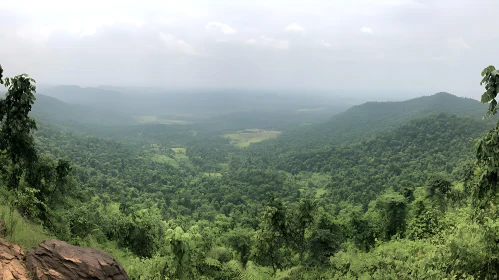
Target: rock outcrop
11	266
54	259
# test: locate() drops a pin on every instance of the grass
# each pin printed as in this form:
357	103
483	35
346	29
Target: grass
19	230
212	174
179	150
244	138
165	159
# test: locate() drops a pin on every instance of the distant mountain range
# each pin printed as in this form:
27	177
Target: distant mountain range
369	118
54	110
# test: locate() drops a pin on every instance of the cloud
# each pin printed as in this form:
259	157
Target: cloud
325	44
458	43
35	33
224	28
393	2
269	43
251	41
176	45
365	29
294	27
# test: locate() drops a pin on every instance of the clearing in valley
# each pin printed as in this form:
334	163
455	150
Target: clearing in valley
244	138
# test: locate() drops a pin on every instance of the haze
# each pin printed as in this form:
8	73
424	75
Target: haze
393	45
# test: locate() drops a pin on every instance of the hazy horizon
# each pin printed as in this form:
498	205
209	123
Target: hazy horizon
399	46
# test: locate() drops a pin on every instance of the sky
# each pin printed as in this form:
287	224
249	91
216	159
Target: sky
422	46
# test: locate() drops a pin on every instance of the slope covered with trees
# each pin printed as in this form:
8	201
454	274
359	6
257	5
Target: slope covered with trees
369	118
403	195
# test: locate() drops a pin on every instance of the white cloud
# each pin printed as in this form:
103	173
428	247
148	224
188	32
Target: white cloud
325	44
392	2
224	28
251	41
174	44
35	33
365	29
294	27
269	43
458	43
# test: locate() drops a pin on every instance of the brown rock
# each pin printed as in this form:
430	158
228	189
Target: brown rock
54	259
11	267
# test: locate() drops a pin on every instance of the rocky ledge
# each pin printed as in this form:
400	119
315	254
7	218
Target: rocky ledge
55	259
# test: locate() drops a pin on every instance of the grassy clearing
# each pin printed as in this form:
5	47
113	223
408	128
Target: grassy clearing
179	151
212	174
244	138
165	159
20	231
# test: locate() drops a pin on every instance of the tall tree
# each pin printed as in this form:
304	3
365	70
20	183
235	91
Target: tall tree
16	127
304	219
273	235
486	150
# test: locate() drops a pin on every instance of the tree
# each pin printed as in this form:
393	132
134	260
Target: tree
392	207
304	219
240	240
425	222
325	240
363	234
490	81
273	235
181	248
16	127
487	153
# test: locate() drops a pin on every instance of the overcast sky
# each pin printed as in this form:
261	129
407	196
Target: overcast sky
417	45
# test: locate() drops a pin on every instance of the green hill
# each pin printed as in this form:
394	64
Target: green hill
399	158
369	118
57	111
81	95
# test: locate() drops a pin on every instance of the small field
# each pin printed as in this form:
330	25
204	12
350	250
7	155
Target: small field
244	138
179	151
165	160
212	174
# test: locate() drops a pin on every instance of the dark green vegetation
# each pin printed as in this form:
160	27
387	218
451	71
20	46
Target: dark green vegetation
393	190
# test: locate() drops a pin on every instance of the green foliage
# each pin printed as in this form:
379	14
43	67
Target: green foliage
19	230
490	81
425	223
182	248
325	240
16	140
273	235
240	240
487	153
382	191
393	210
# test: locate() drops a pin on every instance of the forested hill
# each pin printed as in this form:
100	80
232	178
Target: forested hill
366	119
384	189
399	158
77	95
71	115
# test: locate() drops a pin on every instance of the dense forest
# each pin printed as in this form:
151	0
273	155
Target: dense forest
383	190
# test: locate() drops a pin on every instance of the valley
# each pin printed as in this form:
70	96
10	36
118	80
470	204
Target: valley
372	190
